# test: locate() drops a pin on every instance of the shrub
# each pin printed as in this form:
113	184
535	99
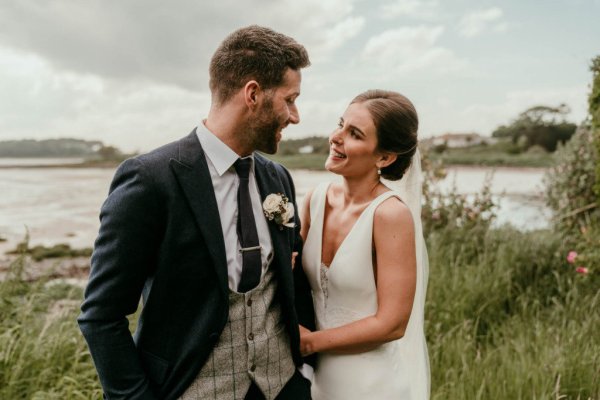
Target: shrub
569	184
594	111
468	214
570	194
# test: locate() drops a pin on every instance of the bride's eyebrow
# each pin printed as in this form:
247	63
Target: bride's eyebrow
358	130
353	127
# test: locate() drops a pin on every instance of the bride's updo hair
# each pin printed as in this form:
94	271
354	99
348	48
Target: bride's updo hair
396	122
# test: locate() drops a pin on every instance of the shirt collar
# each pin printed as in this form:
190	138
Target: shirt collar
219	154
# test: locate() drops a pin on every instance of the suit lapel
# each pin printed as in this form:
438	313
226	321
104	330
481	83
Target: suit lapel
193	176
268	182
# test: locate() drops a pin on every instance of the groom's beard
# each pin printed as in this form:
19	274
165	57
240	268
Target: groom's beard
263	129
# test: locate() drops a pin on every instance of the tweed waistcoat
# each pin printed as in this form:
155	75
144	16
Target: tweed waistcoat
254	346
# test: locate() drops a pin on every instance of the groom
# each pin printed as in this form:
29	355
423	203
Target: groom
183	228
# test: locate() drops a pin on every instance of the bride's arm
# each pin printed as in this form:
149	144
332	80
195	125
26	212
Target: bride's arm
394	241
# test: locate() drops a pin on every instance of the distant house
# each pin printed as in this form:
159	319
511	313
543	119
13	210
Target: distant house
453	140
308	149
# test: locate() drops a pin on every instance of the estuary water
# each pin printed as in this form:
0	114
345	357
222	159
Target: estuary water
61	205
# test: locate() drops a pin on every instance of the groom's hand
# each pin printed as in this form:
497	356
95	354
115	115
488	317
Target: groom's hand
294	255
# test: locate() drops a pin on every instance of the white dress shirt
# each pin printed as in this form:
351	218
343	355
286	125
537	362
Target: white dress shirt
220	159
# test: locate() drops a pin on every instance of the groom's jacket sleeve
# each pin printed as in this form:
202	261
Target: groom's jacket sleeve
123	257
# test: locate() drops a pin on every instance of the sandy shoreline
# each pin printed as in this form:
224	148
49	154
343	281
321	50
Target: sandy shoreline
74	270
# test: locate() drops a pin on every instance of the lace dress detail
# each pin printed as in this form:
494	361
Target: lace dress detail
324	281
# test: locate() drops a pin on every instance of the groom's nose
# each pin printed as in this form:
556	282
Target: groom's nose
294	115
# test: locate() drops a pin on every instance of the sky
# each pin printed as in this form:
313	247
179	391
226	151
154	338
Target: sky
134	74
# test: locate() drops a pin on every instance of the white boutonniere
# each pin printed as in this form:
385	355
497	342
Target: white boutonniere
278	208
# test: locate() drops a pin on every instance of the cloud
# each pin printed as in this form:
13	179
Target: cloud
418	9
44	103
474	23
156	41
411	49
134	74
40	101
340	33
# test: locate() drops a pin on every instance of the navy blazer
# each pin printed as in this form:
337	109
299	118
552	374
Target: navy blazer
160	239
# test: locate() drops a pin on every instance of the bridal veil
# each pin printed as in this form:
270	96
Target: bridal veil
413	347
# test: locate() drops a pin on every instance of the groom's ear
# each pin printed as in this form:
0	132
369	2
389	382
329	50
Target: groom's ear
251	91
386	159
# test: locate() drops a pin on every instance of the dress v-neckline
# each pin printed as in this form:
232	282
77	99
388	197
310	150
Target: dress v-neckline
362	213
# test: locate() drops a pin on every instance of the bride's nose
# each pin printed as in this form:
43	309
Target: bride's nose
336	137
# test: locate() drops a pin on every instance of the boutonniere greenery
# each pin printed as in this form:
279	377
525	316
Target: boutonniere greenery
278	208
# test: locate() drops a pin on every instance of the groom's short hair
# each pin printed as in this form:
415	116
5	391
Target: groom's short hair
253	53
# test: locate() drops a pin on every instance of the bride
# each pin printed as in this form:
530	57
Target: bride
365	258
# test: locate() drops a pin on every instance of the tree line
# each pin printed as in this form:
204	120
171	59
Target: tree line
64	147
542	126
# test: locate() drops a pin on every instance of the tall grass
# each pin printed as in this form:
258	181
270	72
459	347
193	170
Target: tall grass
42	353
507	318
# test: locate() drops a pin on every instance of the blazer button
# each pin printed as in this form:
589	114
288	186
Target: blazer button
251	336
249	303
214	337
252	368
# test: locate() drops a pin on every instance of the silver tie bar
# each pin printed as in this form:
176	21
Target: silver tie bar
243	249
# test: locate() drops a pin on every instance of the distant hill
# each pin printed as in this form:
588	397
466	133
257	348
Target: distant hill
50	148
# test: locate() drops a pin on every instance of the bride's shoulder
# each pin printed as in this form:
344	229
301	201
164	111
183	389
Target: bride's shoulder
392	212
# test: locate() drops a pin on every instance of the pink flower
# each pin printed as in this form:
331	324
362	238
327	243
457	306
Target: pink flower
582	270
571	257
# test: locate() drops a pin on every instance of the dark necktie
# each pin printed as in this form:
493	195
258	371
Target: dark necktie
246	230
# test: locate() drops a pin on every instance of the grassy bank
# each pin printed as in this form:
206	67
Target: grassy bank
314	162
84	164
507	318
492	156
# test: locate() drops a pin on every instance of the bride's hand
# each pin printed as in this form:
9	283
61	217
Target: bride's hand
306	347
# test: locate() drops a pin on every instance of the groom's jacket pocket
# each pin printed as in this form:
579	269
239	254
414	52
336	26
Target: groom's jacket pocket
155	367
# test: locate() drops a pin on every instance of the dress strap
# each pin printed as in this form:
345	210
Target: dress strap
383	197
317	200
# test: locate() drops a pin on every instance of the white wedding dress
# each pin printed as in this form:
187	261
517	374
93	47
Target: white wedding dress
345	291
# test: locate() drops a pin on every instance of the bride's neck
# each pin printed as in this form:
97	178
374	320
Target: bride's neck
360	190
